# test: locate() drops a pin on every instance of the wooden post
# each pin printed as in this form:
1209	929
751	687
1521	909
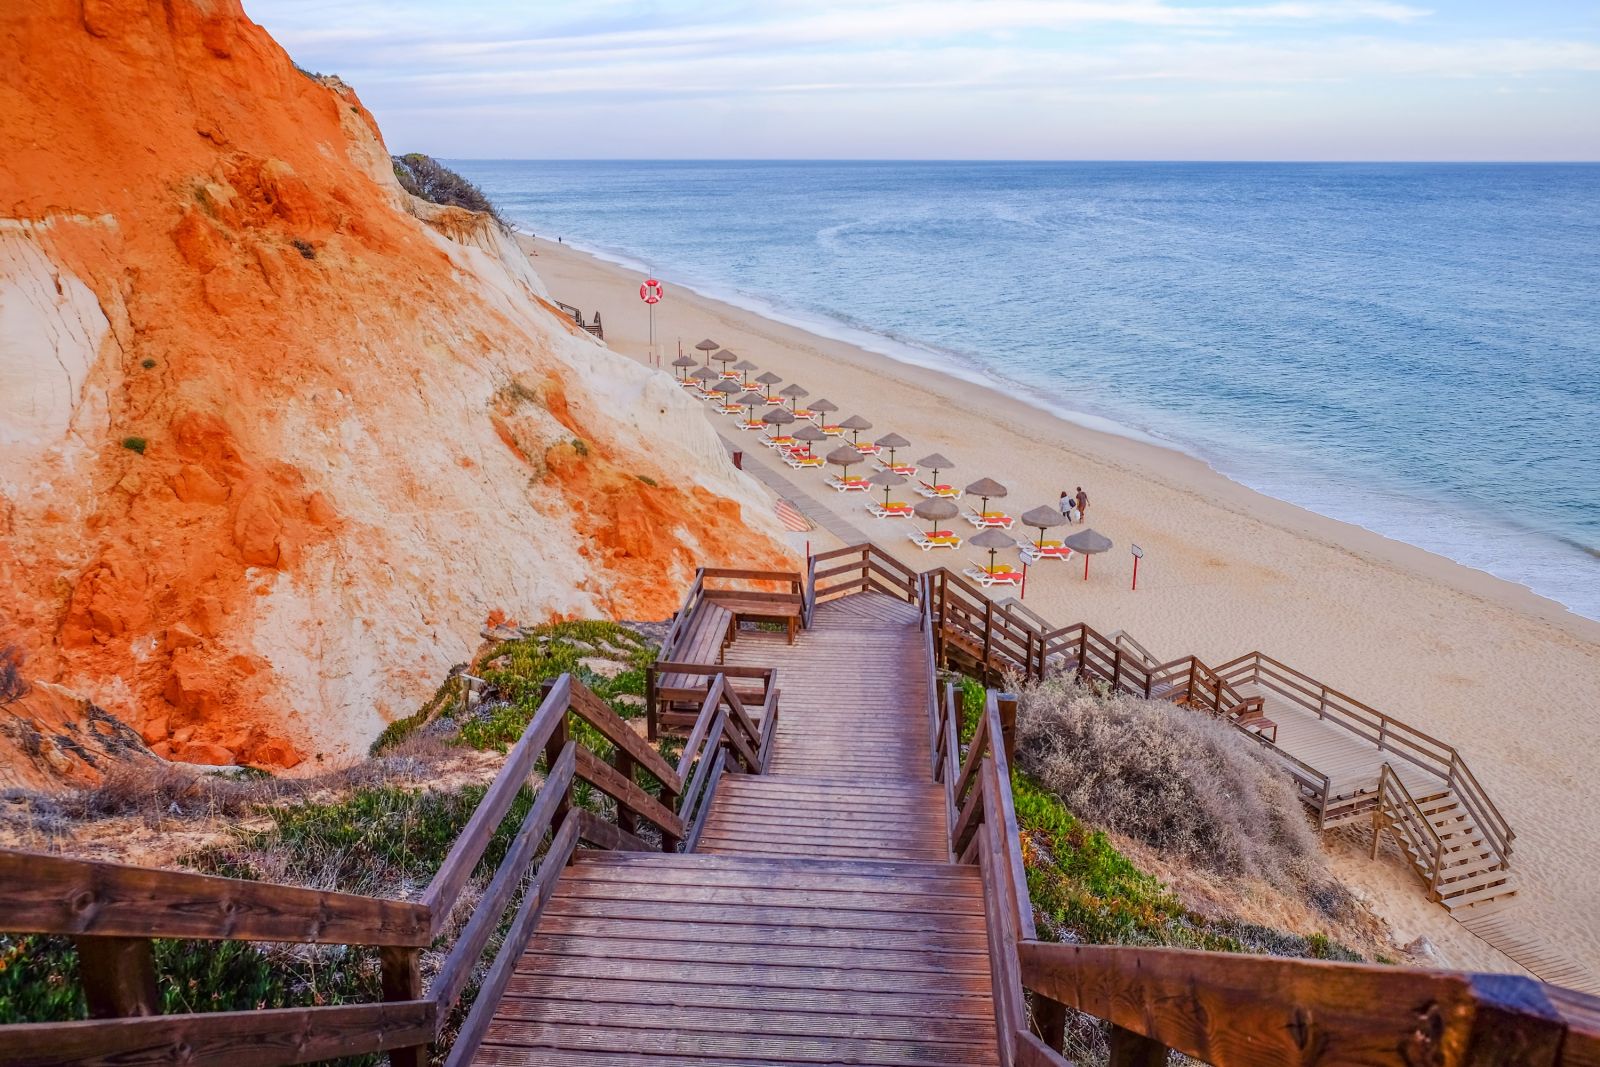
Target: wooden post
1006	703
552	752
1083	650
119	976
1116	667
651	727
402	980
988	635
626	818
1050	1021
1129	1049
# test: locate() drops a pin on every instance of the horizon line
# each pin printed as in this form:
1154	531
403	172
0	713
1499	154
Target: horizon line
931	159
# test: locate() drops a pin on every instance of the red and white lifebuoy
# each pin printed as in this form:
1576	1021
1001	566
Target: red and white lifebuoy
650	292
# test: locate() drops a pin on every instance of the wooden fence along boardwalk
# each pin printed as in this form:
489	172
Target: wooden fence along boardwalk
827	874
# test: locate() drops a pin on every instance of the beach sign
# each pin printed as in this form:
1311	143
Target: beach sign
1138	554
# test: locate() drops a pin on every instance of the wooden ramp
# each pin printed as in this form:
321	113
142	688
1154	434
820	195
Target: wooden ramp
820	920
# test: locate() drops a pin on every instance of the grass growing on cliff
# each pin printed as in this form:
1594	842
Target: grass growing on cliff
425	177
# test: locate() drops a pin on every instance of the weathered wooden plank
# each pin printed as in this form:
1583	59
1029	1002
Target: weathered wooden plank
119	976
53	894
266	1038
888	1003
604	777
598	713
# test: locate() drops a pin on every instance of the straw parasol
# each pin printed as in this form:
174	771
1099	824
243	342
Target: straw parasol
744	367
843	456
855	424
778	417
708	346
768	380
809	433
724	357
1089	543
887	480
751	401
983	489
703	374
726	387
992	539
682	362
935	463
892	441
823	406
1042	518
934	509
794	392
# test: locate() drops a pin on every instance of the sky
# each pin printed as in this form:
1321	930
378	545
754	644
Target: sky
964	79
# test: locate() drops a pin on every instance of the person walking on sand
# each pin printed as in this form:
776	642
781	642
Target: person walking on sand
1069	507
1082	500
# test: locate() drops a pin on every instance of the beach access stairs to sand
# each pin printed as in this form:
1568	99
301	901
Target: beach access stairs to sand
830	872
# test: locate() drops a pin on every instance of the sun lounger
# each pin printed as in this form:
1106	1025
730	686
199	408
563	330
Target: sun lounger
732	376
804	413
1033	551
688	383
730	409
849	485
868	449
1001	575
904	470
833	431
801	461
776	401
752	424
893	510
777	442
941	539
949	492
989	520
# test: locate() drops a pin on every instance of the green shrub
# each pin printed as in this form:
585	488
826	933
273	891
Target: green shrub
425	177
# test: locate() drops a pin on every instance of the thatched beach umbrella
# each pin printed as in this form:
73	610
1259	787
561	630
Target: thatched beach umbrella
1089	543
843	456
778	417
855	424
724	357
703	374
993	540
727	388
794	393
892	441
751	401
708	346
935	509
935	463
1042	518
683	363
984	488
744	367
809	434
767	381
887	480
822	407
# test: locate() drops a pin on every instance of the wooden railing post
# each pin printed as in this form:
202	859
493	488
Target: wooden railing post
1116	667
1129	1049
119	976
650	724
627	819
1006	704
1050	1021
552	752
988	636
402	980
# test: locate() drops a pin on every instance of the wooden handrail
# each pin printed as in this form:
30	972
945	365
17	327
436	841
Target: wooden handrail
50	894
1398	809
1231	1009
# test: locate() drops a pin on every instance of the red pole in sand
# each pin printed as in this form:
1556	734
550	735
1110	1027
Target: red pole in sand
1086	566
1022	594
1135	572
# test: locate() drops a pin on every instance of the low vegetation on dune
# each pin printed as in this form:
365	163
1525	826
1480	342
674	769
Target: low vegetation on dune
380	827
425	177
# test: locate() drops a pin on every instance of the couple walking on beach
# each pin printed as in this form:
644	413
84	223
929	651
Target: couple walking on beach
1075	508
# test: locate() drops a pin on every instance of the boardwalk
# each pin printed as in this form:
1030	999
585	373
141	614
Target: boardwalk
819	921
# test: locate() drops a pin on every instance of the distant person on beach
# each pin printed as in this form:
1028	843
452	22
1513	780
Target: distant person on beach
1082	500
1069	507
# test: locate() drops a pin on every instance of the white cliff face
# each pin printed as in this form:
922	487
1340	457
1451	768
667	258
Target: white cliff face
51	327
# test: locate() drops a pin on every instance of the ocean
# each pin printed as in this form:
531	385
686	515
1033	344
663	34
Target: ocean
1411	348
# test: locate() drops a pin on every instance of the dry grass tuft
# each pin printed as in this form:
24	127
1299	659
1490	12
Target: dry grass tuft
1171	778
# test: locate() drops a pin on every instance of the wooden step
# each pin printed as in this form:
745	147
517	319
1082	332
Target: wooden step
725	960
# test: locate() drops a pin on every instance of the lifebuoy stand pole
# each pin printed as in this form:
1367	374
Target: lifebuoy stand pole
1135	572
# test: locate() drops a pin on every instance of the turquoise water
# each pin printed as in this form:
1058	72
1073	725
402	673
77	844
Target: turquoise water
1411	348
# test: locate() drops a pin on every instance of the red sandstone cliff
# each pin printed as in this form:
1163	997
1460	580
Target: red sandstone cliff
274	437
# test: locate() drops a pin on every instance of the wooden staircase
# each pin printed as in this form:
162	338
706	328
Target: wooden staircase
1451	855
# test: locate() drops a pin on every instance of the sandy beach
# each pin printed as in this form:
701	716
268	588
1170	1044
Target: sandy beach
1507	677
